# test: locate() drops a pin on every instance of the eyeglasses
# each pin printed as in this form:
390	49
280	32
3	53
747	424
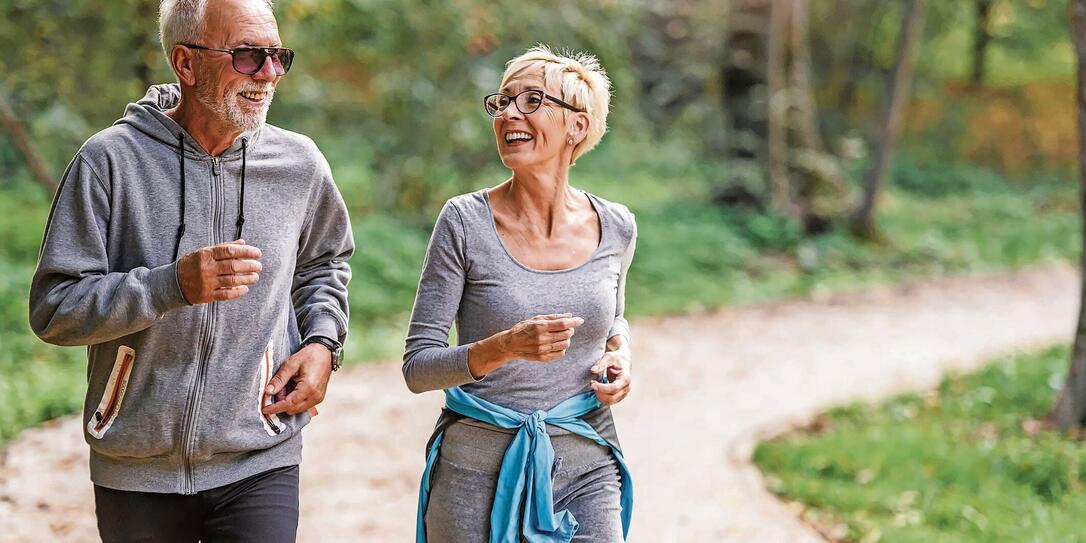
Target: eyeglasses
526	102
249	60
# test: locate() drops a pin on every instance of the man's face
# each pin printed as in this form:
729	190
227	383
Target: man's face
235	99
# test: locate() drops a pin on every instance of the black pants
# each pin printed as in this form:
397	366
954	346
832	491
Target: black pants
262	508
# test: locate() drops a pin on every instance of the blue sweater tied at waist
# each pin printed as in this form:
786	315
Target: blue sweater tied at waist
524	481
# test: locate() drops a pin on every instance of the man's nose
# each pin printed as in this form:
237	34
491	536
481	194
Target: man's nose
267	70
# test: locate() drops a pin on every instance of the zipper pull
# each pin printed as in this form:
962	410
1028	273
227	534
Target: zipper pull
215	166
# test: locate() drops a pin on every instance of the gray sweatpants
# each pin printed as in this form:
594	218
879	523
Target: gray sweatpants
586	482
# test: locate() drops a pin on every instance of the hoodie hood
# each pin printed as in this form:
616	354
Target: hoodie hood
148	115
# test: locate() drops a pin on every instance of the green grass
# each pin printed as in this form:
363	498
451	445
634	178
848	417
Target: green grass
691	255
956	464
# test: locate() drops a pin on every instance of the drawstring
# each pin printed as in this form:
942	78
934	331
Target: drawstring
181	158
241	200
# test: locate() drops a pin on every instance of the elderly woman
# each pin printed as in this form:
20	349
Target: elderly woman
533	271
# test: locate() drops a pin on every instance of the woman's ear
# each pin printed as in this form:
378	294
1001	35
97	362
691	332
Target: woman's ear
578	127
181	60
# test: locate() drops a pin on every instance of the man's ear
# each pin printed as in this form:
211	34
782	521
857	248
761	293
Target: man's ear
181	60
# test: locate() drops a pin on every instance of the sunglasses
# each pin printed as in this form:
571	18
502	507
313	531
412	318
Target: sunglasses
249	60
526	102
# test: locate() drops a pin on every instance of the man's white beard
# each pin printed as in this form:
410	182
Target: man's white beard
228	110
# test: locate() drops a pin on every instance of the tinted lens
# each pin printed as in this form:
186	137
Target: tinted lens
283	59
495	104
529	101
248	60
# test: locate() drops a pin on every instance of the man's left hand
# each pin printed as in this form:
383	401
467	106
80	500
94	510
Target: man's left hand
308	370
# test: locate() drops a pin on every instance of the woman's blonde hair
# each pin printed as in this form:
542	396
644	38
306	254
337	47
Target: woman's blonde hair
582	81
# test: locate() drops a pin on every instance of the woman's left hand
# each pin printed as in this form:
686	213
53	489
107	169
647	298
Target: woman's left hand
618	367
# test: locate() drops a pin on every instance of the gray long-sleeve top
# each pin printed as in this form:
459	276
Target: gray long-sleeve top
469	276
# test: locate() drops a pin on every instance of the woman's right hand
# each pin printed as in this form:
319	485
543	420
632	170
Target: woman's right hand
542	338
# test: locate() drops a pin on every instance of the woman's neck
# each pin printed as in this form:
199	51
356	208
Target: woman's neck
545	199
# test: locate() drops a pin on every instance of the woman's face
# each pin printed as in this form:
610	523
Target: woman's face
536	139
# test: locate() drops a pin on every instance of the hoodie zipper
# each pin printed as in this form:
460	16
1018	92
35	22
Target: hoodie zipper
188	484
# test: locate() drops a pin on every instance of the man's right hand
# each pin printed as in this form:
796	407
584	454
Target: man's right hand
218	273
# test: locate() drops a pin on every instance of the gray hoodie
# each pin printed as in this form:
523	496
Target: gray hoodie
174	391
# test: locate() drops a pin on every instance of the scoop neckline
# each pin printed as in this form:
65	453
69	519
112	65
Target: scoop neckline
498	237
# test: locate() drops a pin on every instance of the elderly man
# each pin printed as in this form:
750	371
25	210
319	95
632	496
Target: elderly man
204	368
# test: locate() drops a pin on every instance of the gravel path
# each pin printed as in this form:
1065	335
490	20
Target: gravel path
707	388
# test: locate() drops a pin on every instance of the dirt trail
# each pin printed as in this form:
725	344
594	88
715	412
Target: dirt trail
707	387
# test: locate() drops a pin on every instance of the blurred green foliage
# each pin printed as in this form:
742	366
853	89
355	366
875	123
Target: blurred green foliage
396	84
40	381
967	462
390	90
403	81
690	257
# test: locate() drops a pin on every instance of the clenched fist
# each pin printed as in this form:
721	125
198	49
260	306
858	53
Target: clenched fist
542	338
218	273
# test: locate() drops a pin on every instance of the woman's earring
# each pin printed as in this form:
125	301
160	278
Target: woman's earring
570	141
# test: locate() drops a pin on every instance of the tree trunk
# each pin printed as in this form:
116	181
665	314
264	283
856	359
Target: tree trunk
897	96
818	180
981	38
802	88
1069	412
771	102
38	168
743	90
661	54
779	104
744	77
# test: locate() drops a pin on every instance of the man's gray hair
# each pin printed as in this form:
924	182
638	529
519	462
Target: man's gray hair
182	21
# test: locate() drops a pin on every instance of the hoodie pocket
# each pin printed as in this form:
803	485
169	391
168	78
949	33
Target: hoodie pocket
110	405
271	422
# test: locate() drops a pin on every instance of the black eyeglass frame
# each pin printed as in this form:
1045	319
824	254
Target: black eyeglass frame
268	52
513	100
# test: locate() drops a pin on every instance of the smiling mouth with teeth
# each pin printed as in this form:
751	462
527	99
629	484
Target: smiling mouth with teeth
254	96
513	137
